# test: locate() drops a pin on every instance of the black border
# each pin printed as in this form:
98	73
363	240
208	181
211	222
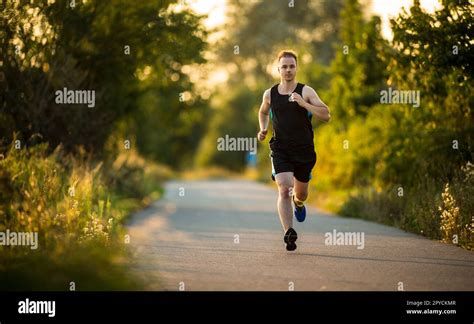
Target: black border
243	306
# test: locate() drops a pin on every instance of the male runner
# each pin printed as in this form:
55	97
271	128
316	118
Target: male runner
291	105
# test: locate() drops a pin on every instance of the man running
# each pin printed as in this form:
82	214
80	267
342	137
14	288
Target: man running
290	105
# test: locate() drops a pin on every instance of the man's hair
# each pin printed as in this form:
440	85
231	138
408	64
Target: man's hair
288	53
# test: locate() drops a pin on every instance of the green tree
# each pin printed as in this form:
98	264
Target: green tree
127	53
350	146
359	72
433	55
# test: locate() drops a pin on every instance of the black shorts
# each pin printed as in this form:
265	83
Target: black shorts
300	163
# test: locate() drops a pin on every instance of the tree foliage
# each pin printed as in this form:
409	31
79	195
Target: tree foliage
130	54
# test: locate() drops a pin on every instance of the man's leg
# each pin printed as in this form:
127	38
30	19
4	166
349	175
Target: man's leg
284	181
300	191
302	174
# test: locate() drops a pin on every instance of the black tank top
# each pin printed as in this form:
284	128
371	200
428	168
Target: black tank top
292	129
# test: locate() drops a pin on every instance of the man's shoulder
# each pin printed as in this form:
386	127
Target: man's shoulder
267	92
307	89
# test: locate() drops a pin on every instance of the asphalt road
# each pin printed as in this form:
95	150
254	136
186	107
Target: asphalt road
226	235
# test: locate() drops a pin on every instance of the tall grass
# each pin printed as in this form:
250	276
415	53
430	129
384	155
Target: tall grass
436	209
77	206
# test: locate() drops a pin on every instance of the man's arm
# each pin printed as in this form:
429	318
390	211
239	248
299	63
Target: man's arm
263	115
313	104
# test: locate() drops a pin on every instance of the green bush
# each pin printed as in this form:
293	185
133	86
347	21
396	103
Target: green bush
431	208
77	206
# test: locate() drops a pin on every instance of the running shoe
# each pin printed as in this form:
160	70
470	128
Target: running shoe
290	238
300	212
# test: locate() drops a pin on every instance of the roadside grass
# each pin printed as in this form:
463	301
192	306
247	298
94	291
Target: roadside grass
435	209
77	205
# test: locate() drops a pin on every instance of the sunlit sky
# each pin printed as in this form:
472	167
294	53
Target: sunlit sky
386	9
216	12
214	8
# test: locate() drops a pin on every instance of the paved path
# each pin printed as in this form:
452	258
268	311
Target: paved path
188	240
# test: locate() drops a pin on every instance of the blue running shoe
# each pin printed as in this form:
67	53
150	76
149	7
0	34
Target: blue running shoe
300	212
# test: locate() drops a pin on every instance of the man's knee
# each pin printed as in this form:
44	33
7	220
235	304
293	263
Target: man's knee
301	195
285	190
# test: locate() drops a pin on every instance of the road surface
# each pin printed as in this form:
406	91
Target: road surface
222	235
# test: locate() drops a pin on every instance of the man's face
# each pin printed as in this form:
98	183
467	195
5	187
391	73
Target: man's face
287	68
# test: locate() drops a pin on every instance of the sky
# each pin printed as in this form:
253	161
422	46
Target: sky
386	9
214	8
216	11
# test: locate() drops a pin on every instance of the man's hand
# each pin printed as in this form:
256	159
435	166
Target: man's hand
299	100
262	134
